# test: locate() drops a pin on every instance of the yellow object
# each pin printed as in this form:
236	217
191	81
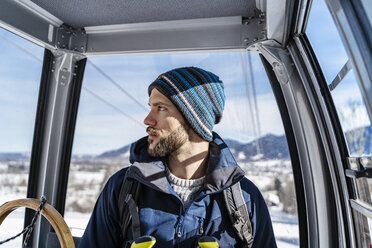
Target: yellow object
146	244
209	244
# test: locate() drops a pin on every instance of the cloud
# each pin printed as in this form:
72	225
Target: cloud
16	132
101	128
99	133
239	123
182	59
350	107
107	130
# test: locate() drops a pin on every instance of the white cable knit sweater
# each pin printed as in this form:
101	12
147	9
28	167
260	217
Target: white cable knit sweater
186	189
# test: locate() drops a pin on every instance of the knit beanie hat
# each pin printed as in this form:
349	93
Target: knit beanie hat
197	94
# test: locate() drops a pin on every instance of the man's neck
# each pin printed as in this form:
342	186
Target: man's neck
190	160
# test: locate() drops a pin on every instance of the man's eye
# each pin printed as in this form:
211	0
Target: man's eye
162	108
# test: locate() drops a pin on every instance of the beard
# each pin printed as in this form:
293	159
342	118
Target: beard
170	143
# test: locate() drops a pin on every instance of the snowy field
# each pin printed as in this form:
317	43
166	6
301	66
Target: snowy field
273	178
285	227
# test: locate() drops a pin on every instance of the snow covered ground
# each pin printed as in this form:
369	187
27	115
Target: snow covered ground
285	227
271	177
11	226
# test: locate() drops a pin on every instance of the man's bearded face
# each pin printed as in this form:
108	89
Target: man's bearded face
168	142
167	128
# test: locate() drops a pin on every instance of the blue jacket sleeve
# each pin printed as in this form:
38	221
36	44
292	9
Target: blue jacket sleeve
103	229
263	234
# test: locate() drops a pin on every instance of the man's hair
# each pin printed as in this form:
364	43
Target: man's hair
198	95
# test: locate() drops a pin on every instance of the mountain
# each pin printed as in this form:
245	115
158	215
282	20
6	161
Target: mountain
121	152
270	147
11	156
273	146
267	147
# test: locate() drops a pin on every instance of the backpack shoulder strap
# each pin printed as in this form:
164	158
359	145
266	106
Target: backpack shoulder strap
128	210
238	213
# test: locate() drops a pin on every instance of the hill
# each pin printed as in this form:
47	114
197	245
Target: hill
269	147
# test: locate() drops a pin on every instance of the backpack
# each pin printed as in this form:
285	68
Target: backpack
233	196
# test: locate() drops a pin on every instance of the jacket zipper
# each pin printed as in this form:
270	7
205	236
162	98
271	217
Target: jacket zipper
179	223
179	228
201	230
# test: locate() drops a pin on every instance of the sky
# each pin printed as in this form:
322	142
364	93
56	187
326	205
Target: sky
104	125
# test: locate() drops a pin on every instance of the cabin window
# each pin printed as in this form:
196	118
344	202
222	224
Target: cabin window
20	72
113	106
351	110
342	82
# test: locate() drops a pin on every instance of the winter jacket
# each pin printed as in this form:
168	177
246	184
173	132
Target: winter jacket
162	213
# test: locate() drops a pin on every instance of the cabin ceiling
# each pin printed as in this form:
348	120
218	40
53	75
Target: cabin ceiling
98	27
84	13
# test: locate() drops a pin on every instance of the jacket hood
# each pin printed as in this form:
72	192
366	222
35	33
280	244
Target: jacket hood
222	170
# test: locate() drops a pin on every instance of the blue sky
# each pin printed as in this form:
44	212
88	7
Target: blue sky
101	127
135	73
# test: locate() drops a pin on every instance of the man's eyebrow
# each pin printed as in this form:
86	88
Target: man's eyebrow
159	103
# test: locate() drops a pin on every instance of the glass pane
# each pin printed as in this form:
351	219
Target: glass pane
363	227
20	69
350	106
111	117
353	116
367	5
364	185
347	98
364	189
325	40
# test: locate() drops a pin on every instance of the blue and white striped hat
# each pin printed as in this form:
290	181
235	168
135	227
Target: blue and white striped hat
197	94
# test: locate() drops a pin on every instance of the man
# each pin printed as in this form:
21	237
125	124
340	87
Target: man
183	168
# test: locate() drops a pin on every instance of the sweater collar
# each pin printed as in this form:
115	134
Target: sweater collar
222	169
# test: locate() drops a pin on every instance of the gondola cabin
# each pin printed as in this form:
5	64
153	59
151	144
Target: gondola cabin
297	74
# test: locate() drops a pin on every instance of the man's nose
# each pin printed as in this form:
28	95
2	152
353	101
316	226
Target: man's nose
150	120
